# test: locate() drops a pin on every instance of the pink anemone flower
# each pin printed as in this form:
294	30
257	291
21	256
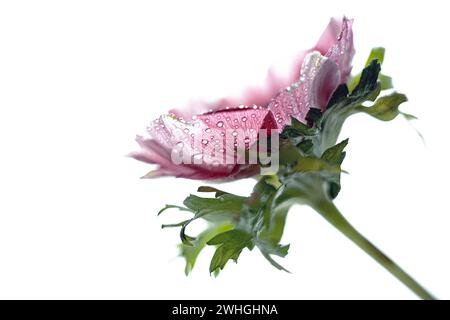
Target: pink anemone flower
203	138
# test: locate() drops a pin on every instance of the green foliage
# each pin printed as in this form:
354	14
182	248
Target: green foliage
229	246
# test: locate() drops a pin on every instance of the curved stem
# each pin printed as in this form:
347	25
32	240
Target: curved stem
329	211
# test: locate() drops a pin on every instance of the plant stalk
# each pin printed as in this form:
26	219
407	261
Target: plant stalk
329	211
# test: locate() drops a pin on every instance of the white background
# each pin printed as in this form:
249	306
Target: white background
78	80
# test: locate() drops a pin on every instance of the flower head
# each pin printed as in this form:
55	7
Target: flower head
207	142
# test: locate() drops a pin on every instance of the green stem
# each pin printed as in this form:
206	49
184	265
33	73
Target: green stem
329	211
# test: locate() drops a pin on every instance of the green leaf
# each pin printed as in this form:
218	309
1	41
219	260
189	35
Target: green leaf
385	108
218	192
341	106
225	207
230	245
191	253
385	81
335	155
313	164
313	116
171	206
274	263
297	129
368	83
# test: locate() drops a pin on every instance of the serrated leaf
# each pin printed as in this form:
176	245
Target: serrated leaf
336	153
230	245
221	209
190	253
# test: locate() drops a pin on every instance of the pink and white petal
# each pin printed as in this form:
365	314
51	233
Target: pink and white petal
343	50
212	136
336	43
318	79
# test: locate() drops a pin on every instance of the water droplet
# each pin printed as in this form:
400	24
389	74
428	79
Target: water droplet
235	120
204	141
207	120
220	124
244	119
221	150
253	115
208	130
247	140
234	133
186	130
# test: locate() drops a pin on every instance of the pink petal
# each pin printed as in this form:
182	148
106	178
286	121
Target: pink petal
318	80
205	136
336	43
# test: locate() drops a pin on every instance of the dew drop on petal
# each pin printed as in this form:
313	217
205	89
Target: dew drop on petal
220	124
244	119
208	130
